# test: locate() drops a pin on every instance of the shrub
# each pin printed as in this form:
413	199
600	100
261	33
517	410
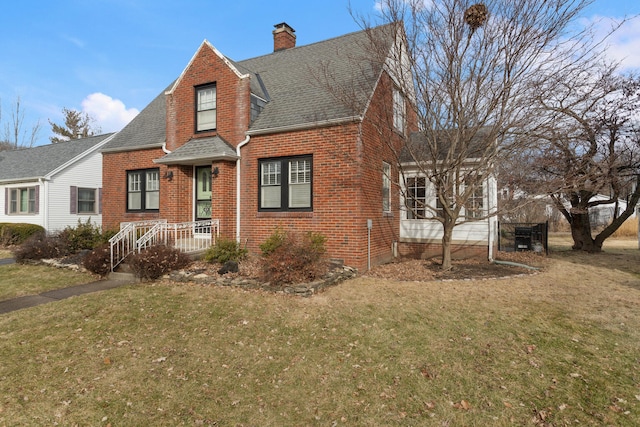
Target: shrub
155	261
298	258
16	234
273	242
83	236
40	246
225	250
98	261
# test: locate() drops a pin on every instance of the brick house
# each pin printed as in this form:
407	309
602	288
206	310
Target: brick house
292	139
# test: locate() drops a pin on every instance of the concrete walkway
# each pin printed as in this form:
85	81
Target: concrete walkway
27	301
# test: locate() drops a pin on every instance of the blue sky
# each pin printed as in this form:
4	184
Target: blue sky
110	58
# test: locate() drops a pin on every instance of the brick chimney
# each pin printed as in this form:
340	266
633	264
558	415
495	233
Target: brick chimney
283	37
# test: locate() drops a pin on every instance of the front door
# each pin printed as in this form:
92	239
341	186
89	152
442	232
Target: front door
203	193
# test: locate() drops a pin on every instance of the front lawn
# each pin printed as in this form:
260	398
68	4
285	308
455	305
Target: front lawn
23	279
555	348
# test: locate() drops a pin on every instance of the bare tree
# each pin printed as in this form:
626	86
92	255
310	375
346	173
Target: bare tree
589	146
15	134
76	125
468	70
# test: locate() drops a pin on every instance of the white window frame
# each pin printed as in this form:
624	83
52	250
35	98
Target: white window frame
206	108
474	208
399	110
386	187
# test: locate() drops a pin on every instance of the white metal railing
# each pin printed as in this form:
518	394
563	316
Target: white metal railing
125	241
188	237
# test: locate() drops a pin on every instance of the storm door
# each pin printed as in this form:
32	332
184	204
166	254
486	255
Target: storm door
203	193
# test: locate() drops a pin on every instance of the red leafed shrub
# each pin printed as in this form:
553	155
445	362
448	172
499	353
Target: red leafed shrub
98	261
298	258
155	261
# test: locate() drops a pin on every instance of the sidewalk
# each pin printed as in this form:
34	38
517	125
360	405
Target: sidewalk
27	301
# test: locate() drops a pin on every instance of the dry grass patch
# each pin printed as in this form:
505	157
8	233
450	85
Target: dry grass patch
556	348
24	279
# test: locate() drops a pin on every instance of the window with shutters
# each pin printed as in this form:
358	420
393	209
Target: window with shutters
21	201
286	184
87	201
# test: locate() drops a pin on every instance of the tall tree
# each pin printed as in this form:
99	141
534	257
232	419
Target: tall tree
15	133
469	70
589	146
76	125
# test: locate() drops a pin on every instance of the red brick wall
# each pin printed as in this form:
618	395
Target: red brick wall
347	170
337	196
232	95
223	198
114	185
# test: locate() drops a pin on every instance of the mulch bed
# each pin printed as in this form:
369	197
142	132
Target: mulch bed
467	269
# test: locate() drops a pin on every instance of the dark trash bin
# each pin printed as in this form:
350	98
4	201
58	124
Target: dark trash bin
523	238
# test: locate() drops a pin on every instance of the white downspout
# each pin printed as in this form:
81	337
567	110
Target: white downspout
238	175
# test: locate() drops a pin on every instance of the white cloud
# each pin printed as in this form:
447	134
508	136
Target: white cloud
110	114
624	44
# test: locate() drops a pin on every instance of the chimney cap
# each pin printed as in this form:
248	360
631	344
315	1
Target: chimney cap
284	26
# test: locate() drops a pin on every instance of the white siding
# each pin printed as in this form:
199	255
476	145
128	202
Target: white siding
54	196
471	233
86	173
37	219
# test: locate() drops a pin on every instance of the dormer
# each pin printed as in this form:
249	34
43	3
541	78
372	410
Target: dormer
212	97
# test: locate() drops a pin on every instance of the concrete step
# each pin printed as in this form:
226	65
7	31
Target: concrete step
122	276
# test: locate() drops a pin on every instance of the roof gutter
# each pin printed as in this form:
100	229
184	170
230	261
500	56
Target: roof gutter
304	126
238	186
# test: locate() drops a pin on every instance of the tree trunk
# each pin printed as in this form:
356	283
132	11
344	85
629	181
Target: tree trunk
581	233
446	244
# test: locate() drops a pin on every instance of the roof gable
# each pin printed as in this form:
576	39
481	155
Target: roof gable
47	160
205	45
293	82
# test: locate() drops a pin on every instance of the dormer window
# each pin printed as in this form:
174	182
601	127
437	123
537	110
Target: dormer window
205	108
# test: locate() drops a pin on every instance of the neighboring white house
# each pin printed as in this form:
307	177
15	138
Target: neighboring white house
53	185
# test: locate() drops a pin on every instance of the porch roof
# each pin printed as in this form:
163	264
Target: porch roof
198	151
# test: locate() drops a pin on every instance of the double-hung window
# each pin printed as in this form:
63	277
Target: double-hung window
206	108
22	200
474	207
85	200
416	197
286	184
143	190
399	110
386	187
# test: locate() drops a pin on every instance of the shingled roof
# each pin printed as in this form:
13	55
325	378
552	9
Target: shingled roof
40	162
289	79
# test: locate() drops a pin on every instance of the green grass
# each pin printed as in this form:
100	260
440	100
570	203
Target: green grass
19	280
559	347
